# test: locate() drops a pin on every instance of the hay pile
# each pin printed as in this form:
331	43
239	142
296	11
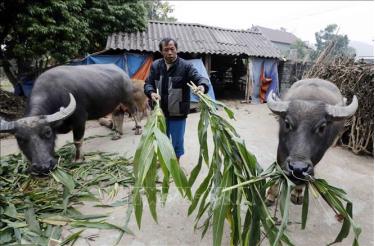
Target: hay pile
352	78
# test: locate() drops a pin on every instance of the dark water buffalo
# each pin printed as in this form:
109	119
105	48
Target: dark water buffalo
87	92
311	115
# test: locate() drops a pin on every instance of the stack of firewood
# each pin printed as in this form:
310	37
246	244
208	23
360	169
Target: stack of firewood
353	78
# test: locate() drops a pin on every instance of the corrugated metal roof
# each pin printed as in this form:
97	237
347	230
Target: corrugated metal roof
195	38
275	35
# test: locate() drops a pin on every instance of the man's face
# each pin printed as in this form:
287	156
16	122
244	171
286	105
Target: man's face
169	52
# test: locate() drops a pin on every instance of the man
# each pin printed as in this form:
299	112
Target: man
167	82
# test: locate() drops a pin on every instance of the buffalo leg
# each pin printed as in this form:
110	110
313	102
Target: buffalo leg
106	121
133	111
78	134
118	120
272	194
296	195
138	130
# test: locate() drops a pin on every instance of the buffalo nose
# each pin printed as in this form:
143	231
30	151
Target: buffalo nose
43	168
300	168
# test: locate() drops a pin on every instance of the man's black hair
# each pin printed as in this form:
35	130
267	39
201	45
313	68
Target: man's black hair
166	41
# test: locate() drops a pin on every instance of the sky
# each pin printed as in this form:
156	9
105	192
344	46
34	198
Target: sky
303	18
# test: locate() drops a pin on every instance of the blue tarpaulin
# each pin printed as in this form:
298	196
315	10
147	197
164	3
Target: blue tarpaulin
119	60
134	62
130	63
270	71
198	64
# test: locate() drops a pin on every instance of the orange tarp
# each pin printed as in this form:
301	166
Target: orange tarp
264	85
142	72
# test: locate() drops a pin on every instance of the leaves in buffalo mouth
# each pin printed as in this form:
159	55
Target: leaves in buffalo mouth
223	195
245	190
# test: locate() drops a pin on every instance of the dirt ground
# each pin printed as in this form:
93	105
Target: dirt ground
258	127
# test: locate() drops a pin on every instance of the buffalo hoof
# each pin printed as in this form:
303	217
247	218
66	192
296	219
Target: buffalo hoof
138	131
296	199
136	127
116	137
106	122
296	196
269	202
79	159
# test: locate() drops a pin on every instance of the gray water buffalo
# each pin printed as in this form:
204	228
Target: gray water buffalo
311	116
63	99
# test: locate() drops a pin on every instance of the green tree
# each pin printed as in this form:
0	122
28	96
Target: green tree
37	34
159	10
302	49
328	34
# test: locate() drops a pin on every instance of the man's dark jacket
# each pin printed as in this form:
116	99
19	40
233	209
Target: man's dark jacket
172	85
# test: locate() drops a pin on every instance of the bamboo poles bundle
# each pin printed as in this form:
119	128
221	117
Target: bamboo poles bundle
352	78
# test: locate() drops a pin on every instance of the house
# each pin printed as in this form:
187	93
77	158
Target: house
280	38
234	60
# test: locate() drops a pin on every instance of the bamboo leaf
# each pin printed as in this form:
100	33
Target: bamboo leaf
100	225
11	211
150	189
168	157
305	207
284	207
56	220
246	228
145	160
138	207
201	189
195	172
345	229
31	220
332	196
16	224
166	178
17	235
5	236
71	238
254	230
62	177
221	209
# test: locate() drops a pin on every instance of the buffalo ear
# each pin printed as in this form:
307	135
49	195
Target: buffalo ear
56	124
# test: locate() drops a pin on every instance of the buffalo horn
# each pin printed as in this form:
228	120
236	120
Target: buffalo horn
63	112
342	111
275	104
6	126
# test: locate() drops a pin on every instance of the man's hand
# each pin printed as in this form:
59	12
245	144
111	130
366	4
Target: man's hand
155	97
200	88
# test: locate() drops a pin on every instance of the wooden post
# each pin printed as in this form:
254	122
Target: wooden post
249	80
207	63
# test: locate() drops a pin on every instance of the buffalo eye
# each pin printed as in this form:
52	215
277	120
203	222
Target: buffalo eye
47	132
288	125
321	128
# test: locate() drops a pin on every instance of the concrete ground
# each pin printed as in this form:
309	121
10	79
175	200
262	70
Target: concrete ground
257	126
